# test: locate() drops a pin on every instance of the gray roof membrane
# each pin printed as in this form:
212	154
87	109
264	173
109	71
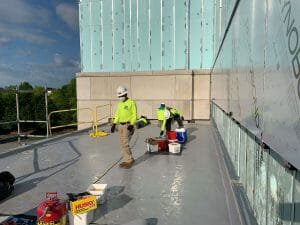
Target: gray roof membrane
193	187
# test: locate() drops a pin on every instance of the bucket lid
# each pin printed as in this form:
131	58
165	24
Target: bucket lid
160	138
174	144
180	130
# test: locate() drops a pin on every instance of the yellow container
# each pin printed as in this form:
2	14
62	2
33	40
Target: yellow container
83	205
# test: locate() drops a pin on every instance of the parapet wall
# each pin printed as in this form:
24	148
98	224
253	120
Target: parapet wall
188	91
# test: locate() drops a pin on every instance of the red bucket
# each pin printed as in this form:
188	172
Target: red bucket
171	135
162	145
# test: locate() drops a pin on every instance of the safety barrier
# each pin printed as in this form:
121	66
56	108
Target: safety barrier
94	119
98	119
70	124
271	184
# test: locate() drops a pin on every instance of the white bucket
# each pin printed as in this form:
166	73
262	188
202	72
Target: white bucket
81	219
152	148
98	190
174	148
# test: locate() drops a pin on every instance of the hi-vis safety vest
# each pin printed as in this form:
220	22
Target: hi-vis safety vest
126	112
143	120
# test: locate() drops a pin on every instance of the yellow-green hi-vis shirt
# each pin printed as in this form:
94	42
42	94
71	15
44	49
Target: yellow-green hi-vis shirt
126	112
161	117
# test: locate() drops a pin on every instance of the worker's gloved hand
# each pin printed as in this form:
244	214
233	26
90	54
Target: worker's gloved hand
130	128
161	133
113	127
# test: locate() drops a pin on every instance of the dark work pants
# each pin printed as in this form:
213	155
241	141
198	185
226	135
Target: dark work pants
169	122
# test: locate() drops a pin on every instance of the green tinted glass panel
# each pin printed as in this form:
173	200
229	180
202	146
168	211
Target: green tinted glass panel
280	193
297	199
96	56
260	184
84	15
95	13
243	158
250	170
180	35
207	36
118	34
155	24
85	39
142	35
127	36
168	35
144	45
195	34
134	36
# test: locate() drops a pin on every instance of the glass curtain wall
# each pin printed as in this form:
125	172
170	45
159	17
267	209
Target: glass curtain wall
146	35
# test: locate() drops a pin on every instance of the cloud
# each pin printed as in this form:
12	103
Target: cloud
7	34
10	75
22	21
20	12
56	74
69	14
4	40
36	75
61	61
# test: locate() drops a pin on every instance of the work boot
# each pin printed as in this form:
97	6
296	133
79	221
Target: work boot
126	165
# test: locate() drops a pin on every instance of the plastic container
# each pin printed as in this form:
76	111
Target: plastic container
181	135
157	145
98	190
162	145
172	135
81	219
174	148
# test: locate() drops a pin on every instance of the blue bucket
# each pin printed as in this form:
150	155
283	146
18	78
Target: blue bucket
181	135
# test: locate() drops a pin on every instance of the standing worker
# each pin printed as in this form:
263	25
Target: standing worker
166	115
125	117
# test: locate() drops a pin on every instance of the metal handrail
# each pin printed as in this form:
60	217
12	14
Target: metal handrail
18	121
8	122
70	124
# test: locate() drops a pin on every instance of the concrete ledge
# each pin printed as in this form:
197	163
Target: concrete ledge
185	90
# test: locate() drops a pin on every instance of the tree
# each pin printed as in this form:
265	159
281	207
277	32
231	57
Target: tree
64	98
32	106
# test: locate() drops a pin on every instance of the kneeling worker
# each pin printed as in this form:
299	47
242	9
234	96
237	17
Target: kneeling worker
142	122
125	117
166	115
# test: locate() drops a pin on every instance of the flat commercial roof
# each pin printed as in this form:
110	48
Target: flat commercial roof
189	188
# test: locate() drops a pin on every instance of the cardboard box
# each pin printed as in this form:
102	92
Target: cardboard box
99	191
83	205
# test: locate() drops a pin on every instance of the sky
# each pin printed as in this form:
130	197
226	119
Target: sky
39	42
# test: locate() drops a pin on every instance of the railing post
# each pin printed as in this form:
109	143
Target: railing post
46	111
18	114
267	184
293	197
238	151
